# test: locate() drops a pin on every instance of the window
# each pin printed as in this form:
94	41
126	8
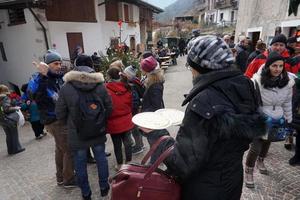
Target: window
221	16
16	16
4	58
112	11
126	13
232	16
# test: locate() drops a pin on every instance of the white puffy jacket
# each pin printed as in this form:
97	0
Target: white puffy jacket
277	102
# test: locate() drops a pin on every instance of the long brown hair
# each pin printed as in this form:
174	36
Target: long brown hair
153	78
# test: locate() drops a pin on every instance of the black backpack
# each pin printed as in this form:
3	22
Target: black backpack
90	120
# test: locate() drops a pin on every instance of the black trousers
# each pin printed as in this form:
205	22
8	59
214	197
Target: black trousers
12	137
117	140
297	150
38	128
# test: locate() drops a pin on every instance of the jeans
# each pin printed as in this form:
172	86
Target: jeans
117	140
63	156
259	148
138	138
80	162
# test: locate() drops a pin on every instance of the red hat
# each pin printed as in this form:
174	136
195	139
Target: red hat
149	64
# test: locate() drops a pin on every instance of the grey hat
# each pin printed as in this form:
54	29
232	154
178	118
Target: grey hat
52	56
209	52
130	71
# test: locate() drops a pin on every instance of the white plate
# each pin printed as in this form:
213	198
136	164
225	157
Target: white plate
176	116
151	120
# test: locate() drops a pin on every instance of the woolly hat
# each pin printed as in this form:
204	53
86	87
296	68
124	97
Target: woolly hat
84	60
130	71
209	52
52	56
273	57
291	40
149	64
279	38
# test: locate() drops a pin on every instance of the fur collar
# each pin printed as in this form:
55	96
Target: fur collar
84	77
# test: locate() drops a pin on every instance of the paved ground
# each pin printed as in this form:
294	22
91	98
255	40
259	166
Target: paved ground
30	175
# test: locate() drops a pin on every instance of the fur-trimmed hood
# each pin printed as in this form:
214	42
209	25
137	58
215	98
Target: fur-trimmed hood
84	77
84	80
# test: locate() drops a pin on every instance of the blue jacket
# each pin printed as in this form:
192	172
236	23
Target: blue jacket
45	94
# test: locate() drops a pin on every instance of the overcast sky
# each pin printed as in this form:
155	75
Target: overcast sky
160	3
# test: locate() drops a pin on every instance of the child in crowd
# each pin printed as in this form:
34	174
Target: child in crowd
119	124
138	90
33	114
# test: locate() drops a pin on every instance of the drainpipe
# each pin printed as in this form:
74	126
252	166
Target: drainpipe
43	27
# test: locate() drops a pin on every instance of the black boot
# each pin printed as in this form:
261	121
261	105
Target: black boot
295	160
88	197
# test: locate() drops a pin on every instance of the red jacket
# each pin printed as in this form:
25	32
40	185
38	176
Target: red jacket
254	66
121	116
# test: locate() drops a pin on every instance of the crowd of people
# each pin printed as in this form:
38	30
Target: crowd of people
237	99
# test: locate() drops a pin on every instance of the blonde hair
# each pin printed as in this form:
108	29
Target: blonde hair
153	78
4	89
117	64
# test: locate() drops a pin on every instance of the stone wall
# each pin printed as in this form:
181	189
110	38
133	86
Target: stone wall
265	15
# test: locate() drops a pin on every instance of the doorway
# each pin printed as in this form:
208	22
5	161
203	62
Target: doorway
132	43
74	41
254	37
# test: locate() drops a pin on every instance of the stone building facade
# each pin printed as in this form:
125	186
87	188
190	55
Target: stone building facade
261	19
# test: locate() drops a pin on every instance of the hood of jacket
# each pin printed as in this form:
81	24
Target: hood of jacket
228	103
83	80
117	87
204	80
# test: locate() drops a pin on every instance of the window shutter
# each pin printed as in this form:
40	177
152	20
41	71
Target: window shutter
131	13
120	11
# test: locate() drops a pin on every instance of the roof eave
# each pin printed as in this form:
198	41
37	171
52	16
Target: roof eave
145	4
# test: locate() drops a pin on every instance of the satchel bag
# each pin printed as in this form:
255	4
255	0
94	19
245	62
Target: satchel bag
145	182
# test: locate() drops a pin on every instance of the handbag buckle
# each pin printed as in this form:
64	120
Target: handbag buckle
138	195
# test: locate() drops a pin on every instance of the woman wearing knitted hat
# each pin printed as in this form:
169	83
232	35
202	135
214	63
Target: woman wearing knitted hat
153	96
220	121
276	89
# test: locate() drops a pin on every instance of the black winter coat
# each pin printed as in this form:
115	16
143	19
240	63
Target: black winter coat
220	122
153	98
242	57
253	55
67	104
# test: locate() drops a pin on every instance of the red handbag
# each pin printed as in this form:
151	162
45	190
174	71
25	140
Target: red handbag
145	182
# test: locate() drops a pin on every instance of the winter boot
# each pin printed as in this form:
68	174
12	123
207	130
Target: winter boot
249	181
295	160
261	166
289	142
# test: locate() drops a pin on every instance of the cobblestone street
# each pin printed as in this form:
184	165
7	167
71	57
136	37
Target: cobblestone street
31	175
